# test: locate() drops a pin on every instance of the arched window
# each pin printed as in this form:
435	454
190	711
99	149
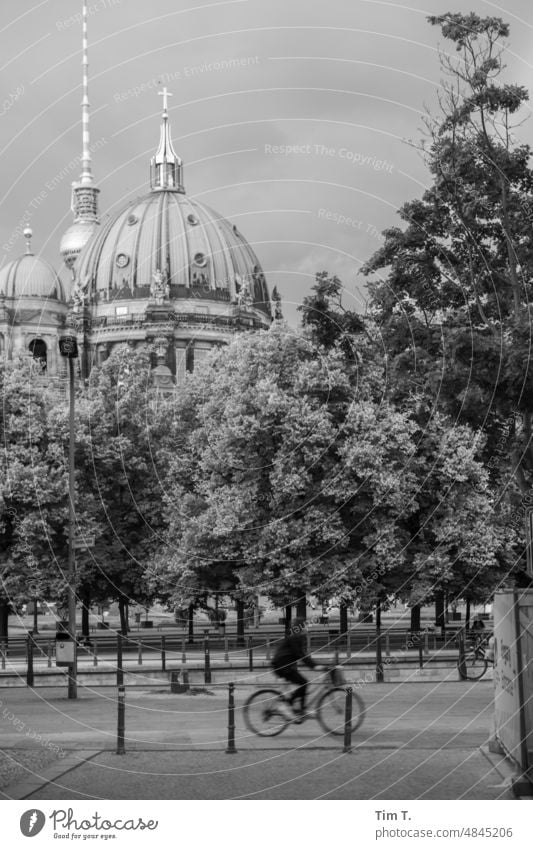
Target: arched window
37	349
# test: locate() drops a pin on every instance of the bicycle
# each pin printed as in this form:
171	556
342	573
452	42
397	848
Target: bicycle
265	711
477	659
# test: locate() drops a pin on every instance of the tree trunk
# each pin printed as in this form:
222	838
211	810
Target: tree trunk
378	616
35	622
288	619
415	617
4	620
439	610
240	622
467	614
301	607
190	624
344	619
123	617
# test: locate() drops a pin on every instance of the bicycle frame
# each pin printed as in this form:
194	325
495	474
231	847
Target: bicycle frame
321	685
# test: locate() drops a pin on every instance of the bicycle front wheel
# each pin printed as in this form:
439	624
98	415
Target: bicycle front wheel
475	665
262	713
331	711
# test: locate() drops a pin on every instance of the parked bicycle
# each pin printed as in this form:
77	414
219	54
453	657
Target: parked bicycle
478	657
268	712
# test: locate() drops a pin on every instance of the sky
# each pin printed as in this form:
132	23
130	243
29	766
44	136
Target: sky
294	119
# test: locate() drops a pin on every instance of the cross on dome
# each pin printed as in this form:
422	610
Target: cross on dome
165	94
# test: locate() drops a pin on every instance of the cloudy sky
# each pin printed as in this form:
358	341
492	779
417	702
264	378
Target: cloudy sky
292	118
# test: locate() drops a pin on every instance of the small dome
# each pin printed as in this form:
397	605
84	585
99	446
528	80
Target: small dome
30	276
166	235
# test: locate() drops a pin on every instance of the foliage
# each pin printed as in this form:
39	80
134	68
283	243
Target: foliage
454	304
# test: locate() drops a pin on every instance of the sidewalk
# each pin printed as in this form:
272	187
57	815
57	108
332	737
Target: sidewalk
419	740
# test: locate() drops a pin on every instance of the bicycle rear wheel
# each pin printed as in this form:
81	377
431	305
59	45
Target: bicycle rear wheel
331	711
262	713
475	665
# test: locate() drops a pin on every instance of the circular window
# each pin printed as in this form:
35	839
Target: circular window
200	259
122	260
132	219
192	219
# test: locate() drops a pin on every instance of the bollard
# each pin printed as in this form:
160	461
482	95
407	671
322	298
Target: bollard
347	748
121	725
140	654
226	650
29	657
163	654
267	648
230	749
49	653
207	659
250	655
420	656
461	665
387	645
183	652
95	653
379	660
120	670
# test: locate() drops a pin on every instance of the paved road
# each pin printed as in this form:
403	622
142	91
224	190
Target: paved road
419	740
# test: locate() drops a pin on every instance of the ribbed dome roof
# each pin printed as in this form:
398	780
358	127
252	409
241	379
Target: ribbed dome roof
197	252
30	276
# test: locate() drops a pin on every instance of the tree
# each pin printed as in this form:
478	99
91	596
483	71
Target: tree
454	305
33	489
118	492
286	481
451	536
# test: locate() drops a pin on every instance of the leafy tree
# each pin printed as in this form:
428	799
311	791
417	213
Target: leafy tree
118	493
454	304
287	480
33	505
452	537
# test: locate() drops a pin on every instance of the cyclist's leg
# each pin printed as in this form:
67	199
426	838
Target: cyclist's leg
291	674
300	693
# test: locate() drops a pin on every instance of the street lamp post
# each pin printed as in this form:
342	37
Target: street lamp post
68	348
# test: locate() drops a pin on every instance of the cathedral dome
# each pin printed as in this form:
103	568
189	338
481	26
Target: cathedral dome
30	276
170	244
166	234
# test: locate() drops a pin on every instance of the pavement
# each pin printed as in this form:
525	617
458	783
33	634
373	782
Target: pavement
420	740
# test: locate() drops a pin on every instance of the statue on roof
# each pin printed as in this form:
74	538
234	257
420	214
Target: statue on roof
159	289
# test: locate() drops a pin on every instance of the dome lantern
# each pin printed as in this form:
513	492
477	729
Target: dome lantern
28	233
166	167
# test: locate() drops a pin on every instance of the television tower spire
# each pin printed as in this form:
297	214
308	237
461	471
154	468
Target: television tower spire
86	173
84	193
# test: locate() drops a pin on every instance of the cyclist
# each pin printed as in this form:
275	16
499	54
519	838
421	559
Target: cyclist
285	664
